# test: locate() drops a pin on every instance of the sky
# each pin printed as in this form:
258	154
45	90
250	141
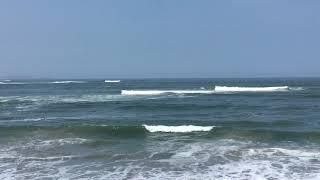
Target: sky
159	38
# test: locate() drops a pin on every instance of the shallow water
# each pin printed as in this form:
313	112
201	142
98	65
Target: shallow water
161	129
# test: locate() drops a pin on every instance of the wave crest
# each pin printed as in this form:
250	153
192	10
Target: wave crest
250	89
178	129
112	81
218	89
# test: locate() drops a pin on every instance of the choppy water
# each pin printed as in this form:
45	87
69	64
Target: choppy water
160	129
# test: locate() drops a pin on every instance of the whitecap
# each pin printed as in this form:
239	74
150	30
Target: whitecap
250	89
112	81
178	129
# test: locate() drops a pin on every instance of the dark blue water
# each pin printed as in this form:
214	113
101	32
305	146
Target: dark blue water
160	129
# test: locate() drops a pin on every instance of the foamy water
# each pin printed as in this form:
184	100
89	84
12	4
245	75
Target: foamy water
170	159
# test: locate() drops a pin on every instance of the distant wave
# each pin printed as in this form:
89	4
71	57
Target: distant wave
66	82
250	89
158	92
53	82
112	81
24	120
178	129
9	82
61	98
218	89
115	130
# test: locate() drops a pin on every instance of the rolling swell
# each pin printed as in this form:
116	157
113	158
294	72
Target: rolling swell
167	106
85	130
108	129
127	131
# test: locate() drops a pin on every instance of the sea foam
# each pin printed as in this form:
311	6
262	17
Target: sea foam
178	129
250	89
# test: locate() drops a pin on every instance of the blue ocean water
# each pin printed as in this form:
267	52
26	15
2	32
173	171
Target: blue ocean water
160	129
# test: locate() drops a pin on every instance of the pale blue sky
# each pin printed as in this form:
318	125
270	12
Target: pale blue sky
159	38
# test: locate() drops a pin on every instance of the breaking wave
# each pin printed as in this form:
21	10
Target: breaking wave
112	81
178	129
118	130
250	89
218	89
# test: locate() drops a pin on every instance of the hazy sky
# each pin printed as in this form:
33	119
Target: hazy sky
159	38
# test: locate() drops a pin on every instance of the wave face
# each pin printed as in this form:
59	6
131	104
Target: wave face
159	92
178	129
118	130
112	81
250	89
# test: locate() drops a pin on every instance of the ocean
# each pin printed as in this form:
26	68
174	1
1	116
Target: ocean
256	128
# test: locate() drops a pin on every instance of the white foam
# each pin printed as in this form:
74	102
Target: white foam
112	81
224	159
178	129
159	92
230	159
250	89
57	142
66	82
52	158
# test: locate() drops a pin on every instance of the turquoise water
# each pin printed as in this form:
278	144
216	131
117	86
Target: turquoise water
160	129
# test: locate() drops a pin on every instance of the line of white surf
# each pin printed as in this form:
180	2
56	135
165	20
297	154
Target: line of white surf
177	129
218	89
112	81
250	89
